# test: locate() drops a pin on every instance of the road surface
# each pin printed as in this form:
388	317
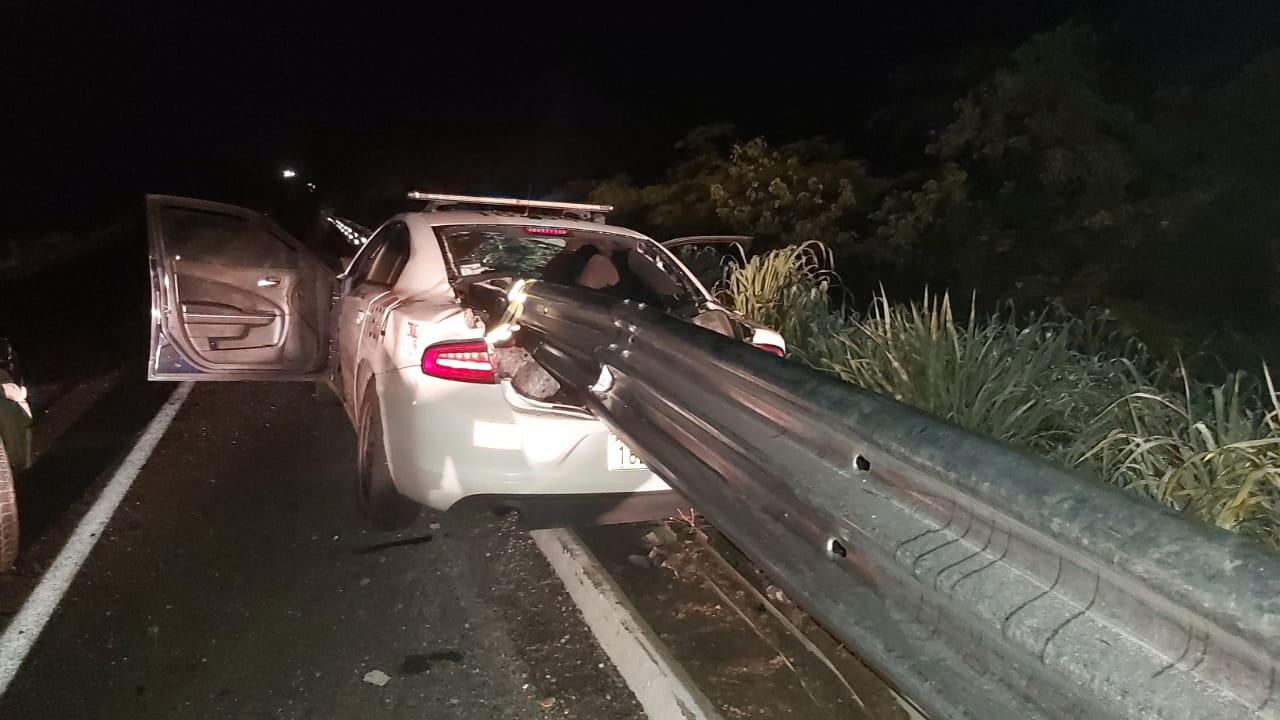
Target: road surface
236	581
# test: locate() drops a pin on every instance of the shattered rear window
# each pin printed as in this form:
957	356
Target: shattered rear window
498	249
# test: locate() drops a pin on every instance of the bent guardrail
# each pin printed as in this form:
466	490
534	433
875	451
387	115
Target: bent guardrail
983	582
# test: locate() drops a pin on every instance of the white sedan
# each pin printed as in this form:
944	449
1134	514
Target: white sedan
442	417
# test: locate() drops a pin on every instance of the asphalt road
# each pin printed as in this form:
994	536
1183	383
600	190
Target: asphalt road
81	330
237	581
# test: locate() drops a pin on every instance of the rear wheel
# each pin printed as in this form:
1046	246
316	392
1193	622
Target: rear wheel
8	514
377	497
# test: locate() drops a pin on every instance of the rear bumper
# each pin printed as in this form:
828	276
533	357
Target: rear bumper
576	510
450	442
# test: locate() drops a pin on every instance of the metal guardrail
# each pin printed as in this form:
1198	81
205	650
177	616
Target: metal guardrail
982	582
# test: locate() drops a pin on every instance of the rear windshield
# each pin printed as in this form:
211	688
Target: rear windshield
639	269
477	249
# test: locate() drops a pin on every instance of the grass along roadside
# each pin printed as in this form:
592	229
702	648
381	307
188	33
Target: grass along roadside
1071	388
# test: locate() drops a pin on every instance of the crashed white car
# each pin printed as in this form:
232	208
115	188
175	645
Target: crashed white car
443	419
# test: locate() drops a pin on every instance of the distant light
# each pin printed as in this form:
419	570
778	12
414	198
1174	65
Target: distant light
289	173
311	186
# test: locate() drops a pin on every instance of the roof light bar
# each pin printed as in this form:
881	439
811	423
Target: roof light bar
511	202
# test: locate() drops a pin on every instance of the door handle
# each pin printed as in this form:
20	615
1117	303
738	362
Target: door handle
269	281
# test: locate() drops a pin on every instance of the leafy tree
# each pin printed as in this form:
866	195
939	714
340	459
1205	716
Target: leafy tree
1040	184
1046	185
788	194
680	203
794	193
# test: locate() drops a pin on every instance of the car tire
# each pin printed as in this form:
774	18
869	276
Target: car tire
8	514
376	494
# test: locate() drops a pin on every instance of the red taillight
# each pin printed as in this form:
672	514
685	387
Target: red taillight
464	361
770	349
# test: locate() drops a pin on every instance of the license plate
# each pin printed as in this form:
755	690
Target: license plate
621	457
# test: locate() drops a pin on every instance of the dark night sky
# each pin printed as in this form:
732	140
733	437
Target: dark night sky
101	106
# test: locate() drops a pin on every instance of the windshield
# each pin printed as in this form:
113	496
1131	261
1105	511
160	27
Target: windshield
625	266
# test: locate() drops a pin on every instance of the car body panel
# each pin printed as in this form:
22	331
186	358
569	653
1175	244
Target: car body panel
446	441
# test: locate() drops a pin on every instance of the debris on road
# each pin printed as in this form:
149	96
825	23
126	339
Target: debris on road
775	593
377	677
661	535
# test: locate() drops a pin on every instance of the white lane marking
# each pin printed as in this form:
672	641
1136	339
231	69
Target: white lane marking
659	683
25	628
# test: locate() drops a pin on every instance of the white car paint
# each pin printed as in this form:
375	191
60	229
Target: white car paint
234	297
447	440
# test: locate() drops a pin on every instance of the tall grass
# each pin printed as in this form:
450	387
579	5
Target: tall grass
1212	451
1073	389
790	291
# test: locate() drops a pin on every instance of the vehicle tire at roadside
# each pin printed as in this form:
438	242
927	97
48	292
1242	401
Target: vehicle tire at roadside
8	514
376	494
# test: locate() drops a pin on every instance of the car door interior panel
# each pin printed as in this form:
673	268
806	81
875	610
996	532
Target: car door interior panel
235	293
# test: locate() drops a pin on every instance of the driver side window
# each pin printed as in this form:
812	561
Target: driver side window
221	239
384	258
392	258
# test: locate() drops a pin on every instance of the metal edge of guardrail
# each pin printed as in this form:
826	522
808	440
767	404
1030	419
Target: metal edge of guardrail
981	581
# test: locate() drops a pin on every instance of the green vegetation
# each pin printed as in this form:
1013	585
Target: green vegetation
1075	389
1052	183
1106	245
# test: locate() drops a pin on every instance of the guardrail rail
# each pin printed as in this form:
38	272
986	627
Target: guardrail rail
981	581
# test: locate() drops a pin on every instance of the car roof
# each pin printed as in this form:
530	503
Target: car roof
438	218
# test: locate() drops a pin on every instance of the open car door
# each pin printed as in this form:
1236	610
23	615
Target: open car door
708	256
233	297
736	245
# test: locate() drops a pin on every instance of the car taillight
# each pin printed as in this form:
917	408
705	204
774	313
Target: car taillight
464	361
769	349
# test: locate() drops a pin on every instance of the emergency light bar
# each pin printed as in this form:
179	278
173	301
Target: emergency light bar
508	202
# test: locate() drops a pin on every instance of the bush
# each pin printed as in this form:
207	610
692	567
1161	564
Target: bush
1074	389
1213	451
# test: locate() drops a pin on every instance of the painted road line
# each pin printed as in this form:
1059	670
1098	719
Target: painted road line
21	634
659	683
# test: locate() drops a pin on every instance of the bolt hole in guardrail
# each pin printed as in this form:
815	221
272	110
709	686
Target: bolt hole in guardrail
862	463
835	549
